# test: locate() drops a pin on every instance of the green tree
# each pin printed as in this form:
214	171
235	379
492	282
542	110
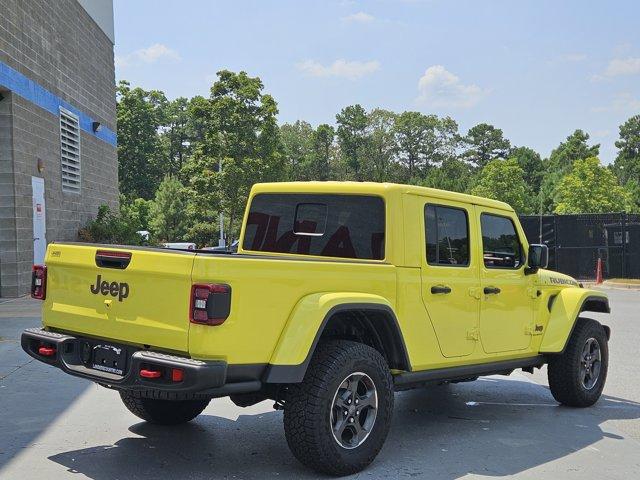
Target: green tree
198	121
110	227
627	163
575	147
167	219
485	143
414	134
297	143
424	141
139	116
175	135
234	184
503	180
353	139
590	188
633	191
242	118
138	210
560	162
241	133
381	148
531	163
322	152
453	174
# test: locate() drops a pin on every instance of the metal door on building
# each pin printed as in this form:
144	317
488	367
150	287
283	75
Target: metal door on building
39	221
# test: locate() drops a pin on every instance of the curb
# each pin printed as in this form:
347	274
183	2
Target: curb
618	286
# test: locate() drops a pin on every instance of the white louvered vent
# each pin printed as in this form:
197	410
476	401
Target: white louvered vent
70	151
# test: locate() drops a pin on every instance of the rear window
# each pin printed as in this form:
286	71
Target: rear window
344	226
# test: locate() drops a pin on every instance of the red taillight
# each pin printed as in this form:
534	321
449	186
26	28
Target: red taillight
39	282
46	351
210	303
146	373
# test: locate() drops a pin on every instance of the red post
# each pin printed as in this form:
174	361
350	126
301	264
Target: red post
599	271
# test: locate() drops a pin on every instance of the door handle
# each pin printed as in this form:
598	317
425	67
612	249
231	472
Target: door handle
436	289
491	290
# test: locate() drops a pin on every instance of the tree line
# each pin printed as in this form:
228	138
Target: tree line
183	161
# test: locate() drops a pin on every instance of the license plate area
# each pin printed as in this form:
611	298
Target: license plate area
107	358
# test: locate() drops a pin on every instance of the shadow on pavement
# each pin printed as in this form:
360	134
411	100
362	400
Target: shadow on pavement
29	400
494	427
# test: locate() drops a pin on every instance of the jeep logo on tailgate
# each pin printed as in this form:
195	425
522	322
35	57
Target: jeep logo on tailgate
115	289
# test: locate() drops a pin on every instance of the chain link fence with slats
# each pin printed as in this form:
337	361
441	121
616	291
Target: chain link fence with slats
577	241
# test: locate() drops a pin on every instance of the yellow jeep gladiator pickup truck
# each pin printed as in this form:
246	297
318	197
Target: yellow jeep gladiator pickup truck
339	295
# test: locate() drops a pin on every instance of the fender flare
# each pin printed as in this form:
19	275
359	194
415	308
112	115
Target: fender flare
305	327
565	309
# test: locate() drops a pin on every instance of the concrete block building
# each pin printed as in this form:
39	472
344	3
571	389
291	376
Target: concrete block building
58	160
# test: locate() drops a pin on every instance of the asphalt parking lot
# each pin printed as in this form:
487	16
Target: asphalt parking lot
56	426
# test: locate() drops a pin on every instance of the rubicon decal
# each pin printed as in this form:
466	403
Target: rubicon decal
115	289
562	281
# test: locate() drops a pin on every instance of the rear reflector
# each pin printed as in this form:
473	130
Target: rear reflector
177	374
46	351
210	303
144	373
39	282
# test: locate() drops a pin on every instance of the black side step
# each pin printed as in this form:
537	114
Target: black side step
414	379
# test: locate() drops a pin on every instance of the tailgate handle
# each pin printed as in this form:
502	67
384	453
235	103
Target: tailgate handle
113	259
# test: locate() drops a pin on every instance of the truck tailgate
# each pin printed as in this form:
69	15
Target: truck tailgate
144	303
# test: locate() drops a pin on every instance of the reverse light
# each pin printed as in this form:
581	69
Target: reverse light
210	303
39	282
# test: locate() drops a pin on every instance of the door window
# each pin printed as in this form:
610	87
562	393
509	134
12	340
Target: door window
447	236
501	246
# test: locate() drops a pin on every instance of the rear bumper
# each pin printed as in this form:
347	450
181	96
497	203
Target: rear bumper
199	377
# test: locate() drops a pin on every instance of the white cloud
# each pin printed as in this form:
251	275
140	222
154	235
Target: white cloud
440	88
340	68
622	102
147	55
623	66
360	17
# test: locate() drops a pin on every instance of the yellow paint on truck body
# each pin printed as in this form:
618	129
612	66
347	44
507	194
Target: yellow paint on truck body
279	301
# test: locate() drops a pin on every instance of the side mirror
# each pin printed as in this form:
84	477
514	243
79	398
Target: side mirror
538	257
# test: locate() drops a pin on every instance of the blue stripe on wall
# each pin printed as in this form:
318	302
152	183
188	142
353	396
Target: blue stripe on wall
34	93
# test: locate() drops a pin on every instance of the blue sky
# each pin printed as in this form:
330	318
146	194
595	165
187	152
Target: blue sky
536	69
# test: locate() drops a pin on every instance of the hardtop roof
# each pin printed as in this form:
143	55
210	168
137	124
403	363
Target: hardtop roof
375	188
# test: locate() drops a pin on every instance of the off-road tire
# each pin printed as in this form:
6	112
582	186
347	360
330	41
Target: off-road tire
563	370
308	407
162	412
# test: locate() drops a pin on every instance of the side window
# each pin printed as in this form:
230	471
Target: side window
501	246
447	235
